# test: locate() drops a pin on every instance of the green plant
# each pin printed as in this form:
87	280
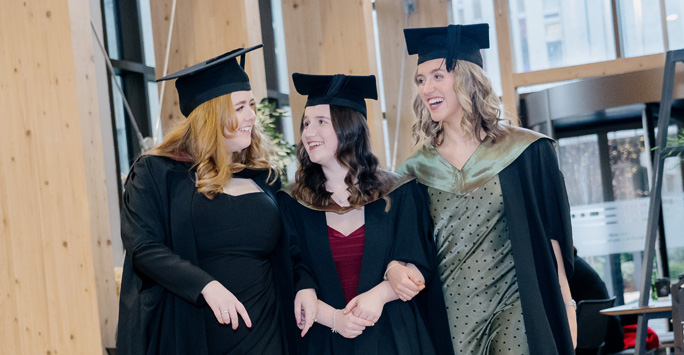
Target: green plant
675	141
282	151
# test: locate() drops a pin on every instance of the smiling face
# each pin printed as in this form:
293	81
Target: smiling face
245	107
436	91
318	135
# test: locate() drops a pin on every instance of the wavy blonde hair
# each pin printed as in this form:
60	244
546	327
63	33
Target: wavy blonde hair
201	139
480	104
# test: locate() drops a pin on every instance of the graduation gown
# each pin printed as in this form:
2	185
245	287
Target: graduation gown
402	233
537	211
160	307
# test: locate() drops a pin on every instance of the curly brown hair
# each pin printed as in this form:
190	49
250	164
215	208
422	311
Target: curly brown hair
364	180
481	108
201	139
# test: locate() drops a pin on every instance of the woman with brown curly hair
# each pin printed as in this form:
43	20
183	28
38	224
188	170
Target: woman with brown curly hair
346	220
199	275
498	204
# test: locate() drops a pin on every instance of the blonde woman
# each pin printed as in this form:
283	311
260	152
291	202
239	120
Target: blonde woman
201	228
498	204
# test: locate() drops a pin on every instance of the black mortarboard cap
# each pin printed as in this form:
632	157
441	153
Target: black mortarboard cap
341	90
210	79
454	42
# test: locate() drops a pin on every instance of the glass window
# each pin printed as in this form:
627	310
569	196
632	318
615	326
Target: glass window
673	210
111	23
609	224
640	27
629	164
133	82
675	23
120	127
552	33
580	163
579	159
148	41
153	95
475	11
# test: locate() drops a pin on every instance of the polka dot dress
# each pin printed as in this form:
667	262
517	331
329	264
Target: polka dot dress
477	271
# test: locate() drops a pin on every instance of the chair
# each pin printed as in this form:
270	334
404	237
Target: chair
678	316
592	325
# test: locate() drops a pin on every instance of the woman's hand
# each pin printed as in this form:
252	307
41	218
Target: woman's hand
224	304
406	280
367	305
306	309
349	325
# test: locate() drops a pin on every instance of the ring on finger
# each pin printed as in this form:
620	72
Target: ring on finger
224	311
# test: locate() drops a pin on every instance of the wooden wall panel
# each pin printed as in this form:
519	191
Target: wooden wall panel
391	23
49	294
202	30
94	161
330	37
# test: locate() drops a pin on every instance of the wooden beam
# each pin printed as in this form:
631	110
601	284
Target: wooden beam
203	30
392	20
84	47
49	292
331	37
611	67
503	35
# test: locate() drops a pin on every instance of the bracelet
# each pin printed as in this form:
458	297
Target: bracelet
572	304
384	276
334	328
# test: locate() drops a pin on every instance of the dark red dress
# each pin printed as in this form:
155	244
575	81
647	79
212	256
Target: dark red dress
347	251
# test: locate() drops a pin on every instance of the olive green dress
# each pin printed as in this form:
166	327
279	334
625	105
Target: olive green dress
477	271
474	250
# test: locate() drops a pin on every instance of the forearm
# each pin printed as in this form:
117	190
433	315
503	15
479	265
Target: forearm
172	272
326	314
385	292
570	306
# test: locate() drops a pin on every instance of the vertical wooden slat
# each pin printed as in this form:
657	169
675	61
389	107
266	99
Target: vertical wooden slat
48	266
330	37
202	30
93	157
510	96
391	23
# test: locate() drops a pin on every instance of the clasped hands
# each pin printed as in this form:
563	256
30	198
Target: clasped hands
403	281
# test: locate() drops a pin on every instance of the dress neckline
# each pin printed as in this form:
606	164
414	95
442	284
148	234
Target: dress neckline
339	234
468	161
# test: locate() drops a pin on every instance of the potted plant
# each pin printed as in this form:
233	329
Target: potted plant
282	151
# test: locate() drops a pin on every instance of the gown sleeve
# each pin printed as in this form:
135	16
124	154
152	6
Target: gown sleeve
553	201
415	244
413	226
301	272
144	231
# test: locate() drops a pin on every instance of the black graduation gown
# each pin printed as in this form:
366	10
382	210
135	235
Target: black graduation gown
160	304
403	233
538	211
